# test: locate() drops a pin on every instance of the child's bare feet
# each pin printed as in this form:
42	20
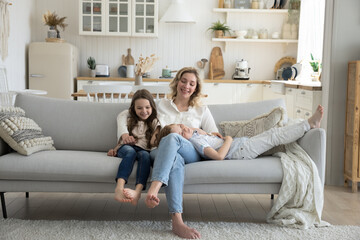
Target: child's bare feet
120	196
181	229
133	195
316	118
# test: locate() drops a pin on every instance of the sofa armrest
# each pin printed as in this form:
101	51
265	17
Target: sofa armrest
314	143
4	147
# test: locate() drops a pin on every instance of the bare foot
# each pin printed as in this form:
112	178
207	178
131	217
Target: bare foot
316	118
133	195
120	196
182	230
151	201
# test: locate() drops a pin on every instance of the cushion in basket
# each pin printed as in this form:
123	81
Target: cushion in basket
22	133
255	126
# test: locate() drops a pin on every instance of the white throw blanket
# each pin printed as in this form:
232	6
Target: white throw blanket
301	198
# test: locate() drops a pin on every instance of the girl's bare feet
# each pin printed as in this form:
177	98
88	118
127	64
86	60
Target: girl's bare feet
181	229
316	118
133	195
120	196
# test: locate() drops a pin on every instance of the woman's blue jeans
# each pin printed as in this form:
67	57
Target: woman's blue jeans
129	154
173	153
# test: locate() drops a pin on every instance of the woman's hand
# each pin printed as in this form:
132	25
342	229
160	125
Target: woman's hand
127	139
111	153
228	138
217	134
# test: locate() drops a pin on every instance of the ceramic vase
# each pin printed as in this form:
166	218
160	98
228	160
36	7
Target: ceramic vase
138	79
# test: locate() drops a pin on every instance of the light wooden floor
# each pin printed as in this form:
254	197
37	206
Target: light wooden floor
341	207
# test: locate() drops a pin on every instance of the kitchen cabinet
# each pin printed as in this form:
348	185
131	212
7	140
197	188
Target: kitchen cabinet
352	126
249	92
290	94
268	93
137	18
306	102
220	93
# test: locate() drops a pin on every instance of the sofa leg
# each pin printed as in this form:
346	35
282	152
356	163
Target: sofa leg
3	206
27	194
272	196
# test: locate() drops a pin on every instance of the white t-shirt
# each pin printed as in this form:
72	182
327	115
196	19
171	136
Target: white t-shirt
168	113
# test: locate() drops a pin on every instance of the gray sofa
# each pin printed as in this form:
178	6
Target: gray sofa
83	132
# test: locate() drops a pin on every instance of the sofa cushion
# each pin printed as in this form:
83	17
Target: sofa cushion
22	133
255	126
60	165
260	170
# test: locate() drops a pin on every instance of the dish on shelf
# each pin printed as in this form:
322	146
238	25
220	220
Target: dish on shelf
122	71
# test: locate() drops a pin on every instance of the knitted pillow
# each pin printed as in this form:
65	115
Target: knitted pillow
22	133
255	126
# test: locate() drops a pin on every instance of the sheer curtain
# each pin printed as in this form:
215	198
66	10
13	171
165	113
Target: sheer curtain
311	31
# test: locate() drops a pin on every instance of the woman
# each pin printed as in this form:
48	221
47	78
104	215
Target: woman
175	151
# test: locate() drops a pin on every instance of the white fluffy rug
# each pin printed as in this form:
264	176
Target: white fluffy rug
77	230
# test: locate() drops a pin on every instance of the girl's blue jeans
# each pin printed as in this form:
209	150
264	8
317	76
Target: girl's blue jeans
129	154
173	153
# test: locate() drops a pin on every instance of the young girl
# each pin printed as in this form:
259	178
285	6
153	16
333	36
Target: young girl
143	126
215	148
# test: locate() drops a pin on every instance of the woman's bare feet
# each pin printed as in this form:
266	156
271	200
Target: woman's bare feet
151	199
181	229
316	118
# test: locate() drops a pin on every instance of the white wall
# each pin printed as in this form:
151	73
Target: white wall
177	45
20	35
342	34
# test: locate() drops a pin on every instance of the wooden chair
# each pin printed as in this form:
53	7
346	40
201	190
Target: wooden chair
108	93
157	90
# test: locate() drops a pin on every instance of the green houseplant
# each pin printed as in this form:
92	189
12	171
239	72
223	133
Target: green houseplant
92	65
219	28
316	66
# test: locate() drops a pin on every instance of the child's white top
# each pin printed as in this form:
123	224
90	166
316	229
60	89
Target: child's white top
201	141
168	113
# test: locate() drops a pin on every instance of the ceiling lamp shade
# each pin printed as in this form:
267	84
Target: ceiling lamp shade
177	13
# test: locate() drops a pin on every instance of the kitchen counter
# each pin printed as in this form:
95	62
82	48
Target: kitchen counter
313	86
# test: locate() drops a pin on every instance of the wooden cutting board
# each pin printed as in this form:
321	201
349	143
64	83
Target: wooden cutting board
129	60
216	70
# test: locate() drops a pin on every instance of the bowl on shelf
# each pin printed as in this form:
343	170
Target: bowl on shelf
240	34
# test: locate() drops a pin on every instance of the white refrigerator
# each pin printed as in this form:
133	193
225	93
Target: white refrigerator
53	68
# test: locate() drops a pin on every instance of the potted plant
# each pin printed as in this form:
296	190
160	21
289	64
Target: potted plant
53	21
92	65
316	66
219	28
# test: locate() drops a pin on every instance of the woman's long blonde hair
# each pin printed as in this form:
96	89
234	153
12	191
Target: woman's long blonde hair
196	96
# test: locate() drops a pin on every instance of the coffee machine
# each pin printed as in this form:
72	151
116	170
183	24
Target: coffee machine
242	70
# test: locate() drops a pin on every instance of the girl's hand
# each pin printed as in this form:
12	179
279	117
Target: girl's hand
217	134
127	139
228	138
111	153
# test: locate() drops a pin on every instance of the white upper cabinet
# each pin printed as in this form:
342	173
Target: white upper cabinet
119	17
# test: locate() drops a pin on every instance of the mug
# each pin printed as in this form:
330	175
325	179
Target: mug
166	73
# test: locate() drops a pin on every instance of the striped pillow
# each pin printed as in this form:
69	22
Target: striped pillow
22	133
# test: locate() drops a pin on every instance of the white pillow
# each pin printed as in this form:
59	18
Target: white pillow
255	126
22	133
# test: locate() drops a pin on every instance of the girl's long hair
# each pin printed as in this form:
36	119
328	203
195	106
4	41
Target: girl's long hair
196	96
134	119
